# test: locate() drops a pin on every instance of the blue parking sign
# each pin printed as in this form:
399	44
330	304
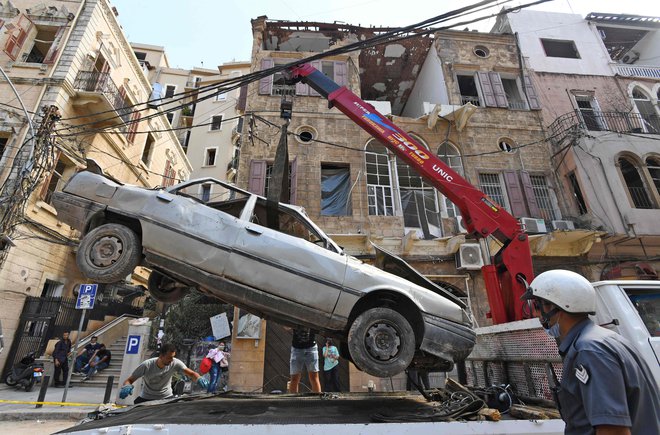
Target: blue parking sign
86	296
133	344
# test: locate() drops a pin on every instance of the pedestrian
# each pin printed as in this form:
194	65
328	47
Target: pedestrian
85	354
219	368
330	367
156	374
61	359
99	361
304	353
606	388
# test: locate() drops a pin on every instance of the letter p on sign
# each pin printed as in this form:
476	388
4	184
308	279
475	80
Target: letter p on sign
133	344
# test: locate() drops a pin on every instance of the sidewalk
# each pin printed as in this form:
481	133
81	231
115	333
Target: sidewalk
89	399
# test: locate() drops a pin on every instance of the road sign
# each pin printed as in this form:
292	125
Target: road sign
133	344
86	296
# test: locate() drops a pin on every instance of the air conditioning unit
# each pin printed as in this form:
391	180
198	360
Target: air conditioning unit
469	257
460	227
563	225
533	225
630	57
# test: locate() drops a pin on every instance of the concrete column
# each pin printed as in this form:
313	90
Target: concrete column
134	353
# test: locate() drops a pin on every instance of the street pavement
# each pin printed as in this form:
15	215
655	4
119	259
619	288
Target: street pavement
85	400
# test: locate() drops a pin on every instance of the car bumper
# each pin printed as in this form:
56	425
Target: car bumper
447	340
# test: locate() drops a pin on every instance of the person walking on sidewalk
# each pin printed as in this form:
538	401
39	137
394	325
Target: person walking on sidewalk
61	359
156	374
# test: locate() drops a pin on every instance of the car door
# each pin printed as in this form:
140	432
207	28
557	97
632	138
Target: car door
286	263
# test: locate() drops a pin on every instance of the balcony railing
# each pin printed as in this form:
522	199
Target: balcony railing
517	105
100	82
469	99
640	197
603	121
648	71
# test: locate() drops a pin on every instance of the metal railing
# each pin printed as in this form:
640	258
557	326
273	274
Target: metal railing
94	81
637	70
517	105
640	197
619	122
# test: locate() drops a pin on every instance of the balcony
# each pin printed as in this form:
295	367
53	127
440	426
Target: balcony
619	122
96	92
469	99
642	71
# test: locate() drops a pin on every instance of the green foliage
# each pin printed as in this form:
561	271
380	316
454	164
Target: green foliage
189	318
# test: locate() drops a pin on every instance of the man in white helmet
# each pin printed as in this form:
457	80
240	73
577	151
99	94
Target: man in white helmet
605	388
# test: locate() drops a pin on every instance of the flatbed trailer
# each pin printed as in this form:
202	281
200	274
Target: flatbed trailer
329	413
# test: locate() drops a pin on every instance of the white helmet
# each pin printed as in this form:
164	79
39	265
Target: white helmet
568	290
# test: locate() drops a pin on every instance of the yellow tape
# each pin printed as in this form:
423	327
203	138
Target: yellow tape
25	402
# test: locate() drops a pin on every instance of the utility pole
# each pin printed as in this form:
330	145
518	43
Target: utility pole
30	165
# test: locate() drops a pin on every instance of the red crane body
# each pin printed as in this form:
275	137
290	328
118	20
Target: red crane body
481	215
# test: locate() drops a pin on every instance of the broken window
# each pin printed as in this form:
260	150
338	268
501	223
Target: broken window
559	48
379	180
468	89
46	44
577	193
148	150
451	157
275	84
419	202
216	122
649	117
260	178
514	98
591	116
544	198
491	184
55	182
335	190
634	183
209	159
206	192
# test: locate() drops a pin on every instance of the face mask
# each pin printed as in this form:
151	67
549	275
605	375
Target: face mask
553	331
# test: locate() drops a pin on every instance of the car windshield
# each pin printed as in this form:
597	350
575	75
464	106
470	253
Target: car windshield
214	193
647	303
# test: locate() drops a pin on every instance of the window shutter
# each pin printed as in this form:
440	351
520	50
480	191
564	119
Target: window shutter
166	174
532	97
44	187
257	179
487	89
132	128
302	89
242	98
316	64
515	193
17	37
55	46
528	189
341	73
294	181
266	83
498	89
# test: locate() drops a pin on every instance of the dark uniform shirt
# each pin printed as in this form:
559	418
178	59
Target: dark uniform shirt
62	349
91	348
605	382
303	338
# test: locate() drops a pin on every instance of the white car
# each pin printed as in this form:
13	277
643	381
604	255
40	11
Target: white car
275	263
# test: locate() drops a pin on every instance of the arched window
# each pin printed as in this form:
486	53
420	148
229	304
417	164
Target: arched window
450	155
648	115
653	166
635	184
379	180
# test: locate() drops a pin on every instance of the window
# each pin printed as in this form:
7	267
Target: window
481	51
269	178
419	202
52	289
148	150
209	158
507	145
170	118
205	193
559	48
306	134
222	96
169	91
468	89
634	184
577	193
141	56
55	182
46	44
491	185
169	176
451	157
275	84
133	127
648	116
216	122
514	98
260	178
3	145
379	180
335	190
589	112
653	166
544	198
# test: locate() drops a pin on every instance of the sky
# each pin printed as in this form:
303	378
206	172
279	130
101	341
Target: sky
207	33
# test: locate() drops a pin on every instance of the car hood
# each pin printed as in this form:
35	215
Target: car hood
395	265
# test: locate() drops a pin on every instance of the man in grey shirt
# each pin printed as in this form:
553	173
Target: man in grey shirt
156	374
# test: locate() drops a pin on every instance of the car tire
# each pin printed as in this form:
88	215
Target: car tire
164	289
109	253
381	342
9	380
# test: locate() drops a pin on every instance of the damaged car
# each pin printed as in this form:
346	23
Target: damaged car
269	259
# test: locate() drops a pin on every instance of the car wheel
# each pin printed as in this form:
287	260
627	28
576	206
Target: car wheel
165	289
9	380
381	342
109	253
